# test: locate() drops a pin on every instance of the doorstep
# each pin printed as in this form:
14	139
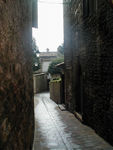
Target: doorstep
78	116
62	107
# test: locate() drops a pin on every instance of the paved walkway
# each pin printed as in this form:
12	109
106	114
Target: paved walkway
60	130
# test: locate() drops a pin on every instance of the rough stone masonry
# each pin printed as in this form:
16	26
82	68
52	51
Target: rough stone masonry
16	93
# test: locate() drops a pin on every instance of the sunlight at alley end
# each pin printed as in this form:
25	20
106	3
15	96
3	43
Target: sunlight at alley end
56	74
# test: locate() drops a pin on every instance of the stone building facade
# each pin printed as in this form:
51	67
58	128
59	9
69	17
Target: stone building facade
88	43
16	93
45	59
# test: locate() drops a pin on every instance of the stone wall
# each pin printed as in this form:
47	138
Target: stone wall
55	92
40	83
16	93
68	57
92	63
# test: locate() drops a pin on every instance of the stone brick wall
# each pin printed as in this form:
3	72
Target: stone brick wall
92	64
68	57
40	83
55	92
16	93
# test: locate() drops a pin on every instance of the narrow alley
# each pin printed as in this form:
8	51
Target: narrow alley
60	130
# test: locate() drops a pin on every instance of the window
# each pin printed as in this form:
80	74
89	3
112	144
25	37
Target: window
85	8
92	7
89	7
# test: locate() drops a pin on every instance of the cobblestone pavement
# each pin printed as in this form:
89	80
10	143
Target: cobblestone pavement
60	130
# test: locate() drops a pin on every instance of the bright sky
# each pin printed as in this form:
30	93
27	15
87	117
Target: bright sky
50	25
